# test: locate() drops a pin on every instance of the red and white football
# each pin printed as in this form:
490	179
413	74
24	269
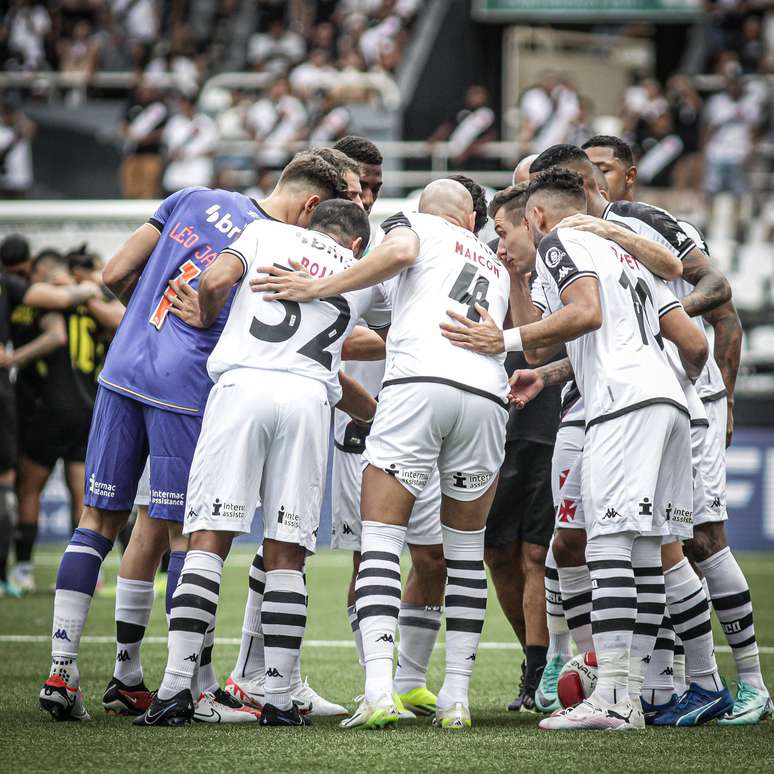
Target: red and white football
578	679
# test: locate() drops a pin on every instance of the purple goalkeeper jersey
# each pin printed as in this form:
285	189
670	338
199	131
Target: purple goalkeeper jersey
155	357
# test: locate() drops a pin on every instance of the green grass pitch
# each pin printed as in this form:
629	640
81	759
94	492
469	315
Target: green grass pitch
499	741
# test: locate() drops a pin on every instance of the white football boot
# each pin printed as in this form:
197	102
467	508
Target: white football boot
222	708
594	714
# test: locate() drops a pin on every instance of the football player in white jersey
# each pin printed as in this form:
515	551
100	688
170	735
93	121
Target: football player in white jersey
633	495
707	697
264	438
705	294
439	405
419	620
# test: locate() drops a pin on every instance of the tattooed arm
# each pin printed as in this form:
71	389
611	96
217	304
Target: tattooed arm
527	384
710	288
728	346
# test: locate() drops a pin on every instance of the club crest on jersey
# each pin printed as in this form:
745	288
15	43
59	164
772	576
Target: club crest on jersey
554	257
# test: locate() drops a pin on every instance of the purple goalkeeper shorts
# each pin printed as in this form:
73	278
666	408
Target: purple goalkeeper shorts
123	433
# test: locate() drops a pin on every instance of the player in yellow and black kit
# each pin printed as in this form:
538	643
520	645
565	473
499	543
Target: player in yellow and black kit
56	388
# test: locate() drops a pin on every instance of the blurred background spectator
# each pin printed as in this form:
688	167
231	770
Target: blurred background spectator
16	132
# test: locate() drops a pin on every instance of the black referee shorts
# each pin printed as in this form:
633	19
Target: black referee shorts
45	438
523	508
8	427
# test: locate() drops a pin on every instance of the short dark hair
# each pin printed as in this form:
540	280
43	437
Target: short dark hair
338	159
341	218
313	171
556	155
621	150
14	249
49	255
558	180
514	197
478	194
360	149
80	258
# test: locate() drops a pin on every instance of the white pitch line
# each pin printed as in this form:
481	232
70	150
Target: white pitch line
99	639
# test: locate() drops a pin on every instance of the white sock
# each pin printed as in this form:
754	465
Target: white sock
356	636
731	599
558	631
194	606
377	600
465	605
283	620
204	679
690	616
134	603
418	627
70	611
659	683
250	662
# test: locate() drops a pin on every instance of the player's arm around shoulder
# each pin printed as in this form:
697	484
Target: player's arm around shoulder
397	252
216	283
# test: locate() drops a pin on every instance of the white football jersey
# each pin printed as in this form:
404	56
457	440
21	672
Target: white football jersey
622	366
454	270
679	237
303	339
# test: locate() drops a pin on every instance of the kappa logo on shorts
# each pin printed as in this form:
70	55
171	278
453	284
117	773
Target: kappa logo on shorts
611	513
347	530
715	502
567	511
192	515
646	507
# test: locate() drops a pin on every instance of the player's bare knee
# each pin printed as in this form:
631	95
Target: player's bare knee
429	563
534	557
278	555
213	542
499	559
569	547
106	523
707	540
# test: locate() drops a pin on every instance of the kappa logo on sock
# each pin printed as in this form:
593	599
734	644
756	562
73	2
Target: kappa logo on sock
61	634
273	672
123	655
646	660
193	657
471	657
669	672
386	638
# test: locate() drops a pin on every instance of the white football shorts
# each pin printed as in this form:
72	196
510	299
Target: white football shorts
566	477
636	474
713	465
421	424
424	527
264	440
142	498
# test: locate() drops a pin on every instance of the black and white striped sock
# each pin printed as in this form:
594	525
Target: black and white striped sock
356	636
690	615
465	605
558	631
204	680
575	584
250	662
283	620
659	676
377	600
731	599
194	605
651	605
613	611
